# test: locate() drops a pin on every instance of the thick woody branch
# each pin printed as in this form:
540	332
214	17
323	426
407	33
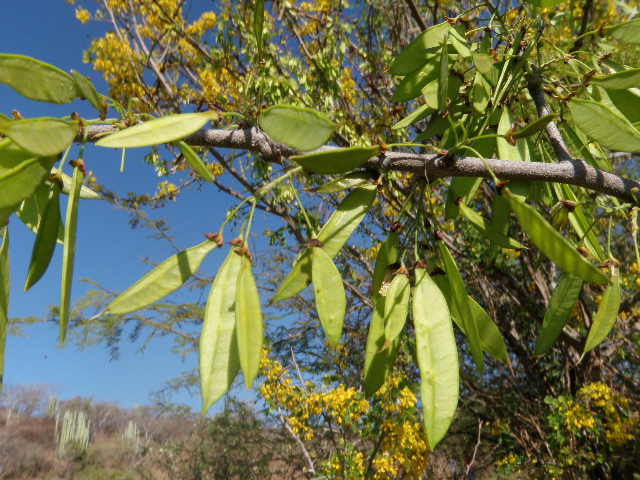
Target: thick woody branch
571	171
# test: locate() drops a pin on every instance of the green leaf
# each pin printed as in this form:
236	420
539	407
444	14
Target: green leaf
162	280
338	160
561	305
605	317
249	327
86	90
443	78
480	93
32	210
396	307
301	128
20	173
196	162
333	235
219	357
627	102
378	361
507	151
415	55
484	64
69	253
462	305
344	182
331	300
626	32
388	254
458	41
4	297
534	127
618	81
551	242
258	24
85	192
418	114
437	357
46	238
157	131
494	236
36	80
411	86
604	126
431	93
461	190
5	213
41	136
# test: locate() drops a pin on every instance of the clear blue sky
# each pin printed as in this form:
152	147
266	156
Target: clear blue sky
108	251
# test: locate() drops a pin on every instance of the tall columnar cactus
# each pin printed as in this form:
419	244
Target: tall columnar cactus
52	407
131	436
74	431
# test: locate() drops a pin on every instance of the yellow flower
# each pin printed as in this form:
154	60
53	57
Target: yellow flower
83	15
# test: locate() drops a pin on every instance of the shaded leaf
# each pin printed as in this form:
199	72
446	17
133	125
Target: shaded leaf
196	162
338	160
414	56
605	317
301	128
249	327
86	90
396	307
622	80
378	361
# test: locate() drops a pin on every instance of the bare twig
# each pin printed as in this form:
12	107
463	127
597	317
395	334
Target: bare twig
475	451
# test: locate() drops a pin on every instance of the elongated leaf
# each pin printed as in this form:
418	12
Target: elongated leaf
86	90
620	80
85	192
339	160
627	32
331	300
495	236
604	126
535	126
345	182
388	254
551	242
301	128
437	357
507	151
160	130
41	136
4	297
411	86
605	317
333	235
480	93
431	93
461	190
561	305
627	102
415	55
32	210
458	41
443	76
196	162
418	114
36	80
462	305
46	238
378	361
396	307
69	253
163	280
249	327
219	357
258	24
20	173
484	64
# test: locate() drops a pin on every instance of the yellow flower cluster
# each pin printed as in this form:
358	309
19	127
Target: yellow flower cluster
348	86
206	22
510	459
578	417
83	15
215	84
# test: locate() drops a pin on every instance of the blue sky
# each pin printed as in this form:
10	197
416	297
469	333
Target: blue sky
108	250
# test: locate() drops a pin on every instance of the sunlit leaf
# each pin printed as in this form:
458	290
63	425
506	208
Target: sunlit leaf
249	327
36	80
605	317
41	136
301	128
331	301
414	56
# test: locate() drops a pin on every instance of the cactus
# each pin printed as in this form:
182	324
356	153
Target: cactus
73	432
131	436
52	407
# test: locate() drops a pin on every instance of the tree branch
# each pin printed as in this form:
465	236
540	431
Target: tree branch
572	171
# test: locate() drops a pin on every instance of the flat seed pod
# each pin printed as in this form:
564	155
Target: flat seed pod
339	160
551	242
388	254
437	357
396	307
333	235
605	317
219	357
345	182
626	32
411	86
162	280
32	209
86	90
331	300
41	136
415	55
196	162
480	224
69	253
561	305
620	80
46	238
415	116
4	297
160	130
301	128
20	173
460	299
603	125
249	327
36	80
378	360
